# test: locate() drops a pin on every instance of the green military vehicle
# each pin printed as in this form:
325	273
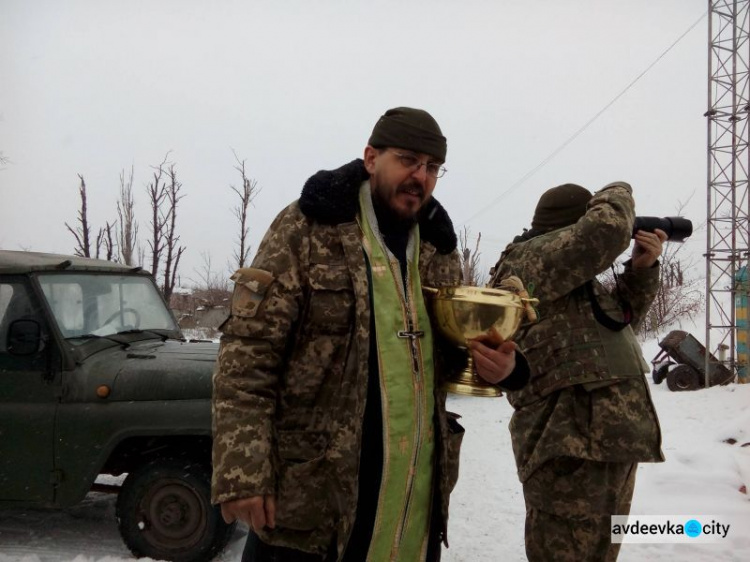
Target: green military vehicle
96	379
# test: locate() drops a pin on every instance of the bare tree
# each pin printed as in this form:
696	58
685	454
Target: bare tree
680	294
141	255
211	288
82	233
110	243
246	195
104	238
171	240
127	231
157	192
469	259
205	308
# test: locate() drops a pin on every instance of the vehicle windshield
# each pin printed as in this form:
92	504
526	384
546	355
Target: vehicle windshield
89	305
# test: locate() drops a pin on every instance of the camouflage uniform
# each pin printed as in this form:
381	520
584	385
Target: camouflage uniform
586	418
291	380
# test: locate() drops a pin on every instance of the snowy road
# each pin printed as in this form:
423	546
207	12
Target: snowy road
87	531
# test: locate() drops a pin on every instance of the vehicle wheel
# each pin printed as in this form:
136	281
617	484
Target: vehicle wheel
683	377
660	374
164	512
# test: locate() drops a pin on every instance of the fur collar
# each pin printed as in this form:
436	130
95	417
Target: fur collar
332	197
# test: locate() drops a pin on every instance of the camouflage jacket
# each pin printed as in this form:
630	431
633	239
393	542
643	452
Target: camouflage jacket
291	379
587	396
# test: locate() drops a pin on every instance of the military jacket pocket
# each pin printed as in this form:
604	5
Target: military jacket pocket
250	289
331	307
569	355
564	348
302	494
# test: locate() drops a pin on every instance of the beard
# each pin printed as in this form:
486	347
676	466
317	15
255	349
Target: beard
383	197
393	219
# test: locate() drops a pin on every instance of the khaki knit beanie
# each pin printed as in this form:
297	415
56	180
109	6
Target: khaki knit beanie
411	129
560	206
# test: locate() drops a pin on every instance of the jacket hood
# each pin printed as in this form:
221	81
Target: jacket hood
332	197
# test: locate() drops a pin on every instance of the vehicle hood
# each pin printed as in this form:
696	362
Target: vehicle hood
148	370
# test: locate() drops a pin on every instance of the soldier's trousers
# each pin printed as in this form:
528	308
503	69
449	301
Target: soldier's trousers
569	503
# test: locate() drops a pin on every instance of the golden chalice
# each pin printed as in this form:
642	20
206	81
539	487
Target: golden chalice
465	313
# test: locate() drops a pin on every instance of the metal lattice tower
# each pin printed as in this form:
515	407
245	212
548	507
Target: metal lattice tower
728	234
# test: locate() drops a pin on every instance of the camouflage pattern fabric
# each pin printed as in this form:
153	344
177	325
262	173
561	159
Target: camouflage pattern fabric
291	378
574	524
587	399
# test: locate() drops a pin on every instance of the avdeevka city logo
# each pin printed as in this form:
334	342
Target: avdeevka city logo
670	528
693	528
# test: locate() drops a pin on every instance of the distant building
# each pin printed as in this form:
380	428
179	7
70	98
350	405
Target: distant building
200	308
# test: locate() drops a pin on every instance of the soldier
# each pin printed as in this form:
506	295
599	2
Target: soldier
586	418
331	437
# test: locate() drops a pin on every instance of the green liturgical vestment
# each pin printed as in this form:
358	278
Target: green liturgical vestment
404	346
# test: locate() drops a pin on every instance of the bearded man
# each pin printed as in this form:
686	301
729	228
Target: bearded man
331	436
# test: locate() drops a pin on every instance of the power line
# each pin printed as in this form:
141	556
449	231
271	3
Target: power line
575	135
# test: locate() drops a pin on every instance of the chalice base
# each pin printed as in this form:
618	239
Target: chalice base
468	383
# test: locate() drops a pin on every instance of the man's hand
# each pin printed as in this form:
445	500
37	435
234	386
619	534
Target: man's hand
648	248
257	511
494	358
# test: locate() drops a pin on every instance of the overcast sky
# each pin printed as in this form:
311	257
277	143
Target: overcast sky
294	86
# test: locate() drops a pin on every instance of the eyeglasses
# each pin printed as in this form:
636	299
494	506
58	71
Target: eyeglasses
433	169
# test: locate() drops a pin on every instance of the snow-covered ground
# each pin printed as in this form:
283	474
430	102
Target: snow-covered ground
703	474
